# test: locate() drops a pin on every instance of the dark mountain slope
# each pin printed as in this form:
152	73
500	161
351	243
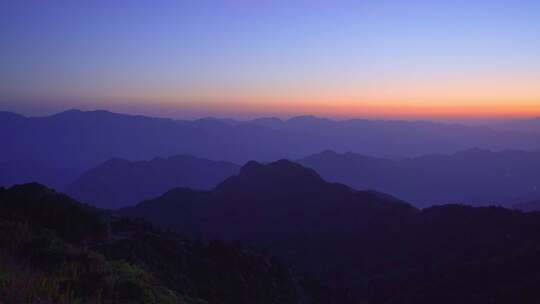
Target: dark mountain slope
381	249
261	196
463	254
290	210
55	250
120	183
45	208
477	177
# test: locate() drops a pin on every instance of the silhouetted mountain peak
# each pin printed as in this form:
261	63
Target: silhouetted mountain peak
279	175
68	113
270	122
280	168
80	116
210	122
308	120
251	167
305	118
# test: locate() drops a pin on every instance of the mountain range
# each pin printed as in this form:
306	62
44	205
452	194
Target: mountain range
119	183
379	248
474	176
78	140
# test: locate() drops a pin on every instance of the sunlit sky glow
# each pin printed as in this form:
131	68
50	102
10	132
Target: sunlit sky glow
399	59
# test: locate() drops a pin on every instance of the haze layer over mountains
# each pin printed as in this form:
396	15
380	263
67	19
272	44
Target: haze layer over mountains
475	176
80	140
115	160
119	183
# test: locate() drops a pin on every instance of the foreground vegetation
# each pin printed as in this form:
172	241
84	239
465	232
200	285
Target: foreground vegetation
55	250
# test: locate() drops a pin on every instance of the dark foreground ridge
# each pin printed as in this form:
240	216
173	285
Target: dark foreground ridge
54	250
379	248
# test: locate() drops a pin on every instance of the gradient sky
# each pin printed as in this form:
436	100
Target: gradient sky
436	59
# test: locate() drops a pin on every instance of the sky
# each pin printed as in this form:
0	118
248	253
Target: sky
186	59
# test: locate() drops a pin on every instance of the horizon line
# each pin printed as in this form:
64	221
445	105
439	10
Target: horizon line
283	117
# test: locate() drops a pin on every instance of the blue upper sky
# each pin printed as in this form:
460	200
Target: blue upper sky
234	58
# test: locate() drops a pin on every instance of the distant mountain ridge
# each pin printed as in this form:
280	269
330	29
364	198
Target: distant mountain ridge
475	176
119	183
80	140
526	125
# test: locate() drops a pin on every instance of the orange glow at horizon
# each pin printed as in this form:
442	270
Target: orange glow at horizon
476	95
443	98
432	97
350	109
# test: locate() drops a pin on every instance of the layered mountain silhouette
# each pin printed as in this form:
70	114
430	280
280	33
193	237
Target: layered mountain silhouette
119	183
61	251
348	220
264	196
81	140
380	248
475	176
